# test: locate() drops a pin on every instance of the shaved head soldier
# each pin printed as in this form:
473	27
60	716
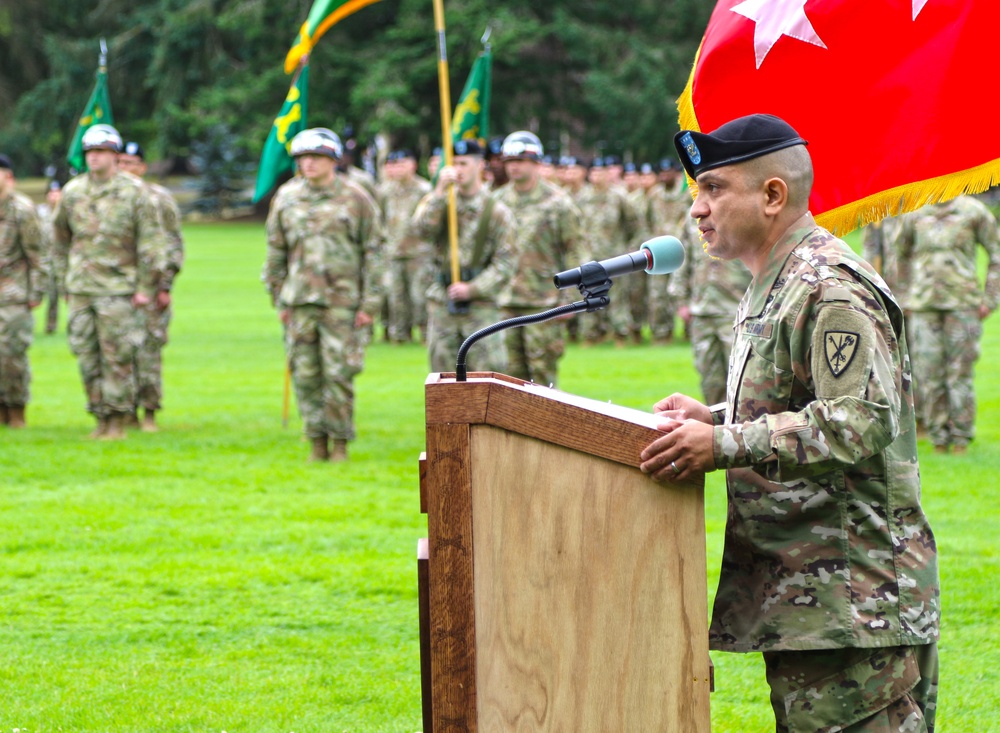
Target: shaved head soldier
830	566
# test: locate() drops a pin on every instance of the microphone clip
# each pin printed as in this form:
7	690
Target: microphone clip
594	286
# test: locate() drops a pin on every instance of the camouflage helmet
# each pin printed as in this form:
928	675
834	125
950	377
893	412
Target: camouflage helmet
317	141
102	137
522	145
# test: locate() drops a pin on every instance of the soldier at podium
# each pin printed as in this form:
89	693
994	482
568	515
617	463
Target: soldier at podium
830	566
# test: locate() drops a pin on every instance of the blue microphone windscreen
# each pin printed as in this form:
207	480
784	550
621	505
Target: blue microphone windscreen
668	255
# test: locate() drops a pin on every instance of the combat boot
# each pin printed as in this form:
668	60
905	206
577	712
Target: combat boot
149	422
100	430
116	427
131	419
15	416
4	415
320	451
339	451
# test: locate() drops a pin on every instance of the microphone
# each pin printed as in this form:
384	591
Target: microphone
658	256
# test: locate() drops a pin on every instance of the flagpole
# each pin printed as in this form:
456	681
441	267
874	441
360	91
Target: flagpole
446	144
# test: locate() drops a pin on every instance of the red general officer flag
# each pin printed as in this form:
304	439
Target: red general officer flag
892	95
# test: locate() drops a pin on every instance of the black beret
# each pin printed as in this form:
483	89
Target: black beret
566	161
494	147
612	160
630	168
742	139
468	147
668	164
401	154
437	151
597	163
132	148
5	162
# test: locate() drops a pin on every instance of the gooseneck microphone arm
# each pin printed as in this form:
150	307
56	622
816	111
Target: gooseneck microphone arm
594	285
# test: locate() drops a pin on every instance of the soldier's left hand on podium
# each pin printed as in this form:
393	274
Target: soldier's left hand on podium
683	453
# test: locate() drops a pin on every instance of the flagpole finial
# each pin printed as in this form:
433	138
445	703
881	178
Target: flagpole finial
486	37
102	60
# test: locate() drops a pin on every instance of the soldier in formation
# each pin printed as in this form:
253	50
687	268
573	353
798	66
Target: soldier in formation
486	229
546	241
935	252
22	287
110	252
829	566
156	314
400	191
610	224
323	272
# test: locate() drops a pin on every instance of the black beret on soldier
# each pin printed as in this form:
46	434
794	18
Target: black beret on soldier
742	139
468	147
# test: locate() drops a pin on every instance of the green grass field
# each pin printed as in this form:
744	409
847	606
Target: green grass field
207	578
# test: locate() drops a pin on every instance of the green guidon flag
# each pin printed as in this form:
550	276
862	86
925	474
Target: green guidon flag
472	113
291	120
97	112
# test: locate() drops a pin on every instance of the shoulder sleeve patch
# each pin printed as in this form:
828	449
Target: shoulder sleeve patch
843	346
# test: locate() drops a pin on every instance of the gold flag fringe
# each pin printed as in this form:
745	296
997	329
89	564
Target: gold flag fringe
870	209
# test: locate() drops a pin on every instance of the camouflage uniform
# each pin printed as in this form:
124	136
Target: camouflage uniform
877	246
109	244
323	265
407	276
495	266
610	223
149	361
22	281
937	261
827	547
711	289
667	214
546	241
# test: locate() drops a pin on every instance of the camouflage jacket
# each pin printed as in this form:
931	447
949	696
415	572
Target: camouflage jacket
878	247
170	220
496	265
610	221
108	238
709	286
936	256
22	276
826	543
546	241
668	210
399	199
323	247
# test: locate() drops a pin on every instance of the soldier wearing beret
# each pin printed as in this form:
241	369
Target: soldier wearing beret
22	286
406	280
158	313
323	271
486	228
830	566
110	247
611	224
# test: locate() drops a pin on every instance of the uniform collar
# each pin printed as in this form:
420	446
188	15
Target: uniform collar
765	280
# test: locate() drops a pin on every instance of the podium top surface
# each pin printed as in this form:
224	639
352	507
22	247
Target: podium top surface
489	398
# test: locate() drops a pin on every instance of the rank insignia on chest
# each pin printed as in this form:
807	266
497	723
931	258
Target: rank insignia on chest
841	346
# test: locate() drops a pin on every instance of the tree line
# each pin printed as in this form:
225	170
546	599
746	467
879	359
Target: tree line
594	76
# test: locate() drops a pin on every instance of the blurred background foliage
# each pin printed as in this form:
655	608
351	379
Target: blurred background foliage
589	76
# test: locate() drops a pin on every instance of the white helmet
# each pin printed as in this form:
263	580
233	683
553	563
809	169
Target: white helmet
522	145
102	137
317	141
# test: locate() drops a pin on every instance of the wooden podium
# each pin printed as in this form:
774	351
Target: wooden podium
562	590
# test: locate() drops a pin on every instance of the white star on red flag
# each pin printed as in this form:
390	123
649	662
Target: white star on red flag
777	18
918	5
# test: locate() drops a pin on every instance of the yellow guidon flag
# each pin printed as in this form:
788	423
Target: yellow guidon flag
323	16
